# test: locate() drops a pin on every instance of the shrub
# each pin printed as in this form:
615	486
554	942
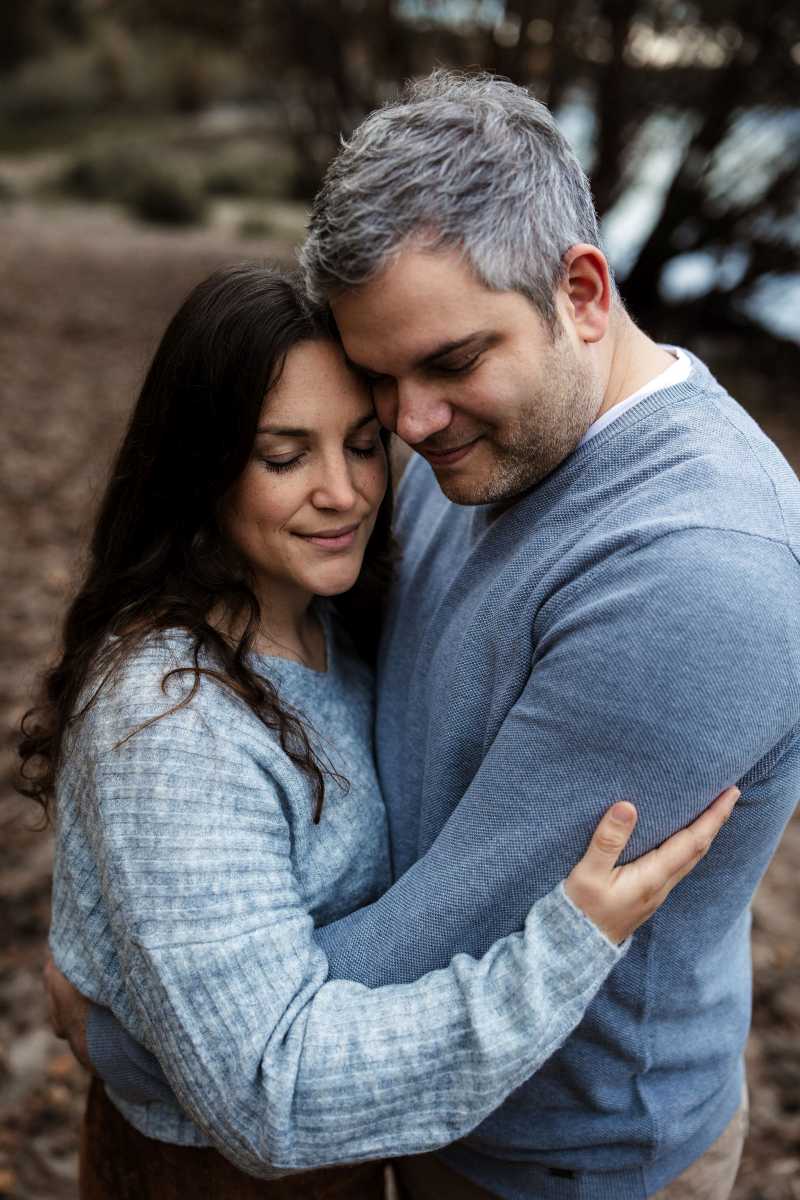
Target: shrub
158	190
165	195
103	174
59	85
253	167
256	227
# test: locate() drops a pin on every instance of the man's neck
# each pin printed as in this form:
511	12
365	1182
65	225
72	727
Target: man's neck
634	360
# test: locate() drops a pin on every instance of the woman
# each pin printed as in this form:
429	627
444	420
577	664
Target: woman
207	734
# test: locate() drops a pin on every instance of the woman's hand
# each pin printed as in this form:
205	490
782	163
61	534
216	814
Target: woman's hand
620	899
68	1011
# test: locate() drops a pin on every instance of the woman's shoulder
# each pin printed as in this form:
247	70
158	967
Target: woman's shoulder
144	669
156	681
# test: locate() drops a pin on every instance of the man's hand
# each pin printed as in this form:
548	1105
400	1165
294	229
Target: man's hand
620	899
68	1010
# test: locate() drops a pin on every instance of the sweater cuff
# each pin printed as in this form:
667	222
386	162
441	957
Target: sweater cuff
592	931
129	1070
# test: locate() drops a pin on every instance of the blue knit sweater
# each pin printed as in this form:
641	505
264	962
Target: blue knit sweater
630	628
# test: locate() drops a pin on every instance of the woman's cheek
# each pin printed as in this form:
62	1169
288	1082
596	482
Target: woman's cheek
377	478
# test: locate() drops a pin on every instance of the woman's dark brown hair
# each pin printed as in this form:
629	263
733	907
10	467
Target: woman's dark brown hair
158	559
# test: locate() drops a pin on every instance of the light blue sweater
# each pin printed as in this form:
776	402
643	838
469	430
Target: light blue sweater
188	879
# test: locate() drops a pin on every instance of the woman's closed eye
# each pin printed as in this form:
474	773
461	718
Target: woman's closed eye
282	463
366	449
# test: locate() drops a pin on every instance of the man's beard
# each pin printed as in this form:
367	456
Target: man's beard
530	447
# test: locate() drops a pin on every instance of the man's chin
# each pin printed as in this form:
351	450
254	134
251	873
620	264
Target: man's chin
501	480
458	491
467	483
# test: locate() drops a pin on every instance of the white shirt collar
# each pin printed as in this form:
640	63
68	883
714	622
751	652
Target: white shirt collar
675	373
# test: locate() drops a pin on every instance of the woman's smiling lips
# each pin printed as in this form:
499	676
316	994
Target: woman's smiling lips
332	539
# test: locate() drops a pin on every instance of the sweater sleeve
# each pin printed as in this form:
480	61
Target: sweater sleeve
663	675
282	1068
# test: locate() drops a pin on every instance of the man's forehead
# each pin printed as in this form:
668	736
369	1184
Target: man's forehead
417	307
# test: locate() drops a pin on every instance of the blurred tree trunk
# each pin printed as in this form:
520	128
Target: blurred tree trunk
23	32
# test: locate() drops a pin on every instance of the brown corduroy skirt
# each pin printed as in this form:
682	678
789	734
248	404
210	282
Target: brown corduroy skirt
119	1163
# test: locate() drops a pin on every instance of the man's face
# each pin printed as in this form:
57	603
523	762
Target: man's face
472	379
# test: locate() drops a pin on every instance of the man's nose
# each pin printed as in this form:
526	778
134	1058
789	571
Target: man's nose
420	413
334	486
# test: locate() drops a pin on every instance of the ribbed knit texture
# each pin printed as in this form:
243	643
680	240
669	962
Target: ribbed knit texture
630	629
188	879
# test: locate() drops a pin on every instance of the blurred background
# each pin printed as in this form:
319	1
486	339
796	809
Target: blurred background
144	142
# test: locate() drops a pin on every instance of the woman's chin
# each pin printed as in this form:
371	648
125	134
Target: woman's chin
334	582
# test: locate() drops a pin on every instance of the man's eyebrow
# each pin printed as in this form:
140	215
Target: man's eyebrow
480	335
485	336
281	431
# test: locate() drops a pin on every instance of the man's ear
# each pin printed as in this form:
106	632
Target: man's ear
586	291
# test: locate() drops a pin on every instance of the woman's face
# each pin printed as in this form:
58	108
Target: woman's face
303	509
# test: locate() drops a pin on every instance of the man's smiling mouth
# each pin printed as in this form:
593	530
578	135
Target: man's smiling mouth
444	458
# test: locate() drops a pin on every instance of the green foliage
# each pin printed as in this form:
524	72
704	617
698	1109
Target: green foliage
690	74
102	174
247	168
63	83
256	227
279	220
165	195
113	71
158	189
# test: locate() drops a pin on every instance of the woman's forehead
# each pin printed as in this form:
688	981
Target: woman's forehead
315	388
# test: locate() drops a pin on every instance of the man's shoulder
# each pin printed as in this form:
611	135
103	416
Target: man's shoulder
698	460
717	418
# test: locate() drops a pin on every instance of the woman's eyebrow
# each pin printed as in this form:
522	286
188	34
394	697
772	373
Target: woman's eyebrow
365	420
281	431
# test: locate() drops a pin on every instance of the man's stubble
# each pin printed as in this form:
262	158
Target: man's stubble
546	430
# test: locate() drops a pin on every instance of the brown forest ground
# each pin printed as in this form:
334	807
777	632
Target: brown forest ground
83	298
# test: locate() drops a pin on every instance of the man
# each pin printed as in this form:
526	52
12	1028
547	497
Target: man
597	597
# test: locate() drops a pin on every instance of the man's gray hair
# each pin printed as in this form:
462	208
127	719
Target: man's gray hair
466	161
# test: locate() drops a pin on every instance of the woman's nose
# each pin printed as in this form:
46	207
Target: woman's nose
334	488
